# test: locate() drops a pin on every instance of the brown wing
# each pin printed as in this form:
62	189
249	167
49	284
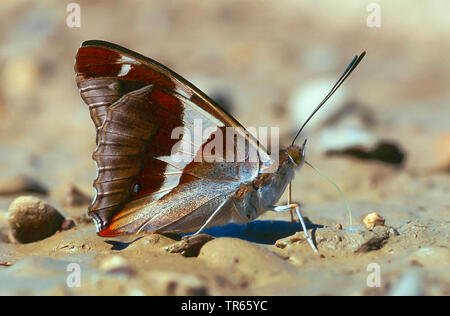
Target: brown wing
105	72
135	104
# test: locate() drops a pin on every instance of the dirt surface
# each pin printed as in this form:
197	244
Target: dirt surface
384	138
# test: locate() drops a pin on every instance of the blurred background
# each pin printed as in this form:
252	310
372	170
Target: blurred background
384	137
268	62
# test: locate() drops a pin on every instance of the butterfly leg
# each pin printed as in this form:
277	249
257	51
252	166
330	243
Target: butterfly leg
295	206
290	201
211	217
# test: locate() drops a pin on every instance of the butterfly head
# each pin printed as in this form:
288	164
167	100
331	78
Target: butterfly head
297	154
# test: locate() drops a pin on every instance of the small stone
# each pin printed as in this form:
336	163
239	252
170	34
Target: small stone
21	184
287	242
72	196
281	244
31	219
373	219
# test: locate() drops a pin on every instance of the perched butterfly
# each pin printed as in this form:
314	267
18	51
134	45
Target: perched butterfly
142	184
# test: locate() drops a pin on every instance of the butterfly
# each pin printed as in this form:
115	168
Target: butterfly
142	184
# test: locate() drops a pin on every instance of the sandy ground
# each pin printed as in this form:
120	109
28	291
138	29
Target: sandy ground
269	62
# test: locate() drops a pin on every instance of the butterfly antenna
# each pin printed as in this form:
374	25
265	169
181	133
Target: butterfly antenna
339	190
351	66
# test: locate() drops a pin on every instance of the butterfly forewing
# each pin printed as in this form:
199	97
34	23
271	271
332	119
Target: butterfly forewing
106	71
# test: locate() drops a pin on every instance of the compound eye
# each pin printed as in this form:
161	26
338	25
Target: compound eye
295	154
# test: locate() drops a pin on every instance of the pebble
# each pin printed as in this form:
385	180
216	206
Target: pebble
373	219
31	219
